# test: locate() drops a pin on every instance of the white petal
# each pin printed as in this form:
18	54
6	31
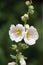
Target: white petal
12	63
35	33
20	26
30	41
19	38
12	37
22	61
12	26
11	32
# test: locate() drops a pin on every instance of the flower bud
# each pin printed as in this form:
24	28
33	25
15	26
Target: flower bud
24	46
31	7
26	26
27	3
31	11
24	17
17	50
20	56
14	47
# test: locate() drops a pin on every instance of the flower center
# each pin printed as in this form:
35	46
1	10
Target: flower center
28	35
18	32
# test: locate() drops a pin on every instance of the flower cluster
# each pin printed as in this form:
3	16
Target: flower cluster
19	32
30	7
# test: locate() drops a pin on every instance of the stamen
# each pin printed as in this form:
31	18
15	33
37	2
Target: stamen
28	35
18	32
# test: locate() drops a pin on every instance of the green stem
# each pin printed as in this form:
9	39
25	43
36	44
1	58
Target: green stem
16	60
25	23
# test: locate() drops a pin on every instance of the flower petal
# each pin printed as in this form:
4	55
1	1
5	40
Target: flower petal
11	32
12	26
20	37
30	41
35	33
12	37
22	61
11	63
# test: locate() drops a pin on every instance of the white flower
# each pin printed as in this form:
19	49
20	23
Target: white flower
16	32
22	61
31	35
11	63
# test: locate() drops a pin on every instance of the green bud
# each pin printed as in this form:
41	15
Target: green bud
20	56
14	47
31	7
28	3
17	50
21	53
26	26
31	11
24	17
24	46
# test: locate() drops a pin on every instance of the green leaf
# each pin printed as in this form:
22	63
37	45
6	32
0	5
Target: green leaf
13	57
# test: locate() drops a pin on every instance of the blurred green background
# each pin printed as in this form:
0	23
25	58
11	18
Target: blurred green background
10	13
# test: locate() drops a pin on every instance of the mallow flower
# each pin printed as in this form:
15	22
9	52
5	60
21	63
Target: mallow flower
22	61
16	32
31	35
12	63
